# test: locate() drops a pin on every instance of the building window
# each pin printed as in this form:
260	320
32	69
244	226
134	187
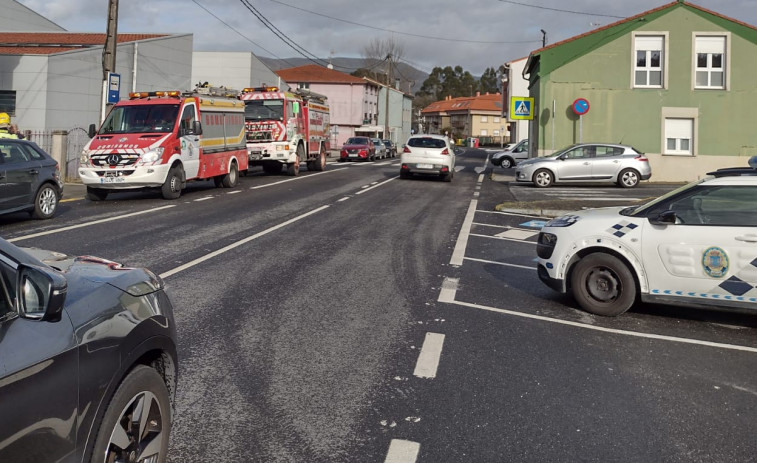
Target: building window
484	132
496	133
304	85
679	136
496	120
710	62
484	119
649	66
8	102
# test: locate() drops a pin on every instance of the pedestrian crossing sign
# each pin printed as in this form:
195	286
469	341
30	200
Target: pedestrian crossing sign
521	108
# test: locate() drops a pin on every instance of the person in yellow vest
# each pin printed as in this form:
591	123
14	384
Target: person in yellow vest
5	124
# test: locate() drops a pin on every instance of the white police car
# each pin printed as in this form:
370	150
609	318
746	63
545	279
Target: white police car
694	245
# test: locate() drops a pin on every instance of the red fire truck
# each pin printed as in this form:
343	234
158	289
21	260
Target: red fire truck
286	128
164	139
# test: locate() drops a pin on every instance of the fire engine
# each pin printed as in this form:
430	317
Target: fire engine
164	139
286	128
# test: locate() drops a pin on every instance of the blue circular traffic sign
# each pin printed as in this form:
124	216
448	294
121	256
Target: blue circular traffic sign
581	106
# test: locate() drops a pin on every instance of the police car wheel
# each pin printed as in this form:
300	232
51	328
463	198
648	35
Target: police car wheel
603	285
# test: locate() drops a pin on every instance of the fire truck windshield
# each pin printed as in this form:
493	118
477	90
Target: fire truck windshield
141	119
264	110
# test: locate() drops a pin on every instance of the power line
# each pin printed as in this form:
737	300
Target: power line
559	10
239	33
398	32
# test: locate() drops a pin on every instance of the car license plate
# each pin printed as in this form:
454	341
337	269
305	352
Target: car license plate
112	180
425	166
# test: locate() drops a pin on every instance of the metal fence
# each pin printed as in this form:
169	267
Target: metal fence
72	143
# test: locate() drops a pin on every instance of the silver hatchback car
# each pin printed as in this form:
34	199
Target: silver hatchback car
587	162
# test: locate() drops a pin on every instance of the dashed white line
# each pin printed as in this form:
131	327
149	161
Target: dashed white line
376	186
209	256
205	198
462	239
295	178
343	199
505	264
402	451
431	352
94	222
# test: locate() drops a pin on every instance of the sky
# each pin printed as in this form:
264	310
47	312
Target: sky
474	34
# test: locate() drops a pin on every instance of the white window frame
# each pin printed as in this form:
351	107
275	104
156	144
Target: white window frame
691	114
484	118
636	38
484	133
496	119
726	36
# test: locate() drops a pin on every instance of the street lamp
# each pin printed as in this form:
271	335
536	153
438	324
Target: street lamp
543	38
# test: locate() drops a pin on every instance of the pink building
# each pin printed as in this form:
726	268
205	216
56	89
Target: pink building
353	100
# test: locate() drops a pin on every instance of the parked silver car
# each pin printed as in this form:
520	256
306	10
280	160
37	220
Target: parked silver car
381	152
511	155
587	162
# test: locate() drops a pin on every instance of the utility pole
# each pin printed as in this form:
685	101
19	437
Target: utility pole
109	51
543	38
389	79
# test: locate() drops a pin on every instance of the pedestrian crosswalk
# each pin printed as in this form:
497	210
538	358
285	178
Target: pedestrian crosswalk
575	193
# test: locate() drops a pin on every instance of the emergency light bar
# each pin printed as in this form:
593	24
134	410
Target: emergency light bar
172	93
260	89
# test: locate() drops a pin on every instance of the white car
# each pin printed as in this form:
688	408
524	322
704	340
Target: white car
428	155
511	155
695	245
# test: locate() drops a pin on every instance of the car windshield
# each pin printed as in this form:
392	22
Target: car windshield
426	142
159	118
264	110
357	141
640	210
559	152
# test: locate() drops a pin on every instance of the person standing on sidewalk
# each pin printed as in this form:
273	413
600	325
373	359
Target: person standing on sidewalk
5	124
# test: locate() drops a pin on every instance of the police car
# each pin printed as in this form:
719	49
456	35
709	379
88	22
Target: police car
694	245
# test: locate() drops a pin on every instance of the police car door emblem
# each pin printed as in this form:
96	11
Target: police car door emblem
715	262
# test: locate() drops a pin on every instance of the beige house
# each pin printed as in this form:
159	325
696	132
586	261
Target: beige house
479	116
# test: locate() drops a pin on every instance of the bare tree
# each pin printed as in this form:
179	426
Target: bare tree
380	55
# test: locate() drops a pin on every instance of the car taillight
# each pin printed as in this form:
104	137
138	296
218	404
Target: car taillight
406	150
642	158
445	151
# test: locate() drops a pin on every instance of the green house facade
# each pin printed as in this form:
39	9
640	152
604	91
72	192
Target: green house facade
678	83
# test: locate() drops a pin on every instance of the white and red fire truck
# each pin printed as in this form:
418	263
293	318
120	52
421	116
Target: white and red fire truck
164	139
286	128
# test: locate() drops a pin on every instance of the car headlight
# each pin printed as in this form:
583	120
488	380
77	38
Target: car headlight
152	156
563	221
84	158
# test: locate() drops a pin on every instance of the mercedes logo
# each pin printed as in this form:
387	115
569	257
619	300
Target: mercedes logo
113	159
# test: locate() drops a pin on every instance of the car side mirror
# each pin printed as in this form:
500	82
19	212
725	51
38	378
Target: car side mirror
197	127
92	131
664	218
40	293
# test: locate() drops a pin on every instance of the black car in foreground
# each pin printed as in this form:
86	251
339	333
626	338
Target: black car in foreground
29	179
88	364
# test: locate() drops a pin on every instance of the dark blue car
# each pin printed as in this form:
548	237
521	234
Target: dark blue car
29	179
88	364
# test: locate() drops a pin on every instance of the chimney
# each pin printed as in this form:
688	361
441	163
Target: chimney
478	93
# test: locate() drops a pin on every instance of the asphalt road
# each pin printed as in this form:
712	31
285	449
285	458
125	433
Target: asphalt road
351	316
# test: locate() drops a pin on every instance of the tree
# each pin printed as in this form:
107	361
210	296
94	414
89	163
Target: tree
449	81
381	56
490	81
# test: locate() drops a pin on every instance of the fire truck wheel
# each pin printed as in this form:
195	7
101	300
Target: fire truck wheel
231	179
293	168
96	194
320	163
172	187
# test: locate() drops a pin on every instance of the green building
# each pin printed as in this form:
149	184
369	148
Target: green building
678	82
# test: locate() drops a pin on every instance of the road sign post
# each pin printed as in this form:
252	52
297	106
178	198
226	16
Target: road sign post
581	107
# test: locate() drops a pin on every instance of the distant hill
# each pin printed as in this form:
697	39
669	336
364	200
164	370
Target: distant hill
409	76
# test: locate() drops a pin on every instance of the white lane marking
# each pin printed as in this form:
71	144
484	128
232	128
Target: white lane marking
431	352
202	199
343	199
376	186
500	238
234	192
385	163
449	289
87	224
402	451
295	178
517	234
481	177
209	256
462	239
609	330
497	263
512	214
459	168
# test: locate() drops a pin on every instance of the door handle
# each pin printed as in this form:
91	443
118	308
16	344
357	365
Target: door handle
34	171
748	238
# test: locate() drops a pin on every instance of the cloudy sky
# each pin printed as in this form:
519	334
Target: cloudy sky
474	34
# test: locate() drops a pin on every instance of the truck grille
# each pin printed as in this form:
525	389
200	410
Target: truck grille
113	160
